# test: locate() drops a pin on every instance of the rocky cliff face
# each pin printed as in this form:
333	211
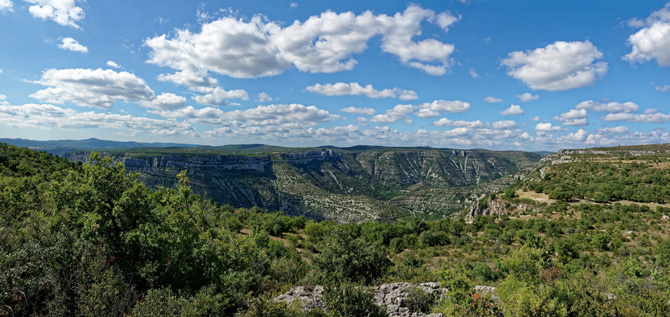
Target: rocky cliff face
492	207
219	162
331	184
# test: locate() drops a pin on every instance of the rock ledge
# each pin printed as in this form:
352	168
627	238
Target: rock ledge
394	296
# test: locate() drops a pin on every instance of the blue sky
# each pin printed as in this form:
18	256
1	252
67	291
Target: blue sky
527	75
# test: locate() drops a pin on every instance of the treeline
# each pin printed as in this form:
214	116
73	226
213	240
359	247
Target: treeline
93	240
606	181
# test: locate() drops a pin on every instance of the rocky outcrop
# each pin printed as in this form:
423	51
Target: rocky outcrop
486	290
392	296
489	208
311	297
395	297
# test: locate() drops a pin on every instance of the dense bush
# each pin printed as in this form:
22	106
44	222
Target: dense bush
352	259
346	299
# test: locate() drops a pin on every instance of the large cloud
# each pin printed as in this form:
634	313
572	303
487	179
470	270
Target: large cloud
5	5
399	30
227	46
652	41
63	12
355	89
558	66
321	44
91	87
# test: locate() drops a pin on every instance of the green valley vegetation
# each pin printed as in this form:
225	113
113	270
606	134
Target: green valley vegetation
92	239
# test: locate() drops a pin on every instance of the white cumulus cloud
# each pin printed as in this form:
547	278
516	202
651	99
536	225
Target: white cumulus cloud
491	99
664	88
165	101
547	127
354	110
5	5
526	97
579	136
512	110
653	41
436	107
613	107
614	130
503	124
112	64
263	97
71	44
574	117
91	87
444	122
282	113
44	116
190	79
395	114
216	96
649	117
354	89
558	66
323	43
63	12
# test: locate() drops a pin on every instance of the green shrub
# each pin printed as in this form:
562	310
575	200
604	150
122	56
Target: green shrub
419	301
343	257
346	299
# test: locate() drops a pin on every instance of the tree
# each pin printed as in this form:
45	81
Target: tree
352	259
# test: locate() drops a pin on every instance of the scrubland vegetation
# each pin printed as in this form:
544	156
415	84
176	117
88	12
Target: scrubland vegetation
93	240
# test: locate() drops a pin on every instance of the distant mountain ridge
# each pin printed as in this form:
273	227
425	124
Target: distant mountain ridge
61	146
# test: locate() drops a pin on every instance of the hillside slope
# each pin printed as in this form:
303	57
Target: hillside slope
630	175
348	185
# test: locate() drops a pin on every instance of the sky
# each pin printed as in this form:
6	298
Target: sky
503	75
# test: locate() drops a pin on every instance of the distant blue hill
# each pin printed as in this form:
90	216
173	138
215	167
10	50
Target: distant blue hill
62	146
